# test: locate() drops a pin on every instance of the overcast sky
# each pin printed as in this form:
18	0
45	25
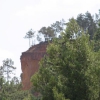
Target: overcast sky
19	16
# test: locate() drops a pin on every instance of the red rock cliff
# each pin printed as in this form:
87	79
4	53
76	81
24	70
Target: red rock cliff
30	62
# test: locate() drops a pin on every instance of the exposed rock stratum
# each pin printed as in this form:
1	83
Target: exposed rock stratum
30	62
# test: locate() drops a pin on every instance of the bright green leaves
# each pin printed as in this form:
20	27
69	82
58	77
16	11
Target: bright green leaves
57	95
70	69
72	28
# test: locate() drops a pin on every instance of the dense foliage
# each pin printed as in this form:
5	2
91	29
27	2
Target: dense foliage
70	71
11	87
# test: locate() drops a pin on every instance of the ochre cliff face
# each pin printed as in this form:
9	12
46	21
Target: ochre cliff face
30	62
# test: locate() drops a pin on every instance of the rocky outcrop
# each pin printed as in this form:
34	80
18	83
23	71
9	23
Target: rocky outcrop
30	62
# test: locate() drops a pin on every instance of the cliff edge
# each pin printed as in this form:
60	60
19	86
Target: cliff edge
30	62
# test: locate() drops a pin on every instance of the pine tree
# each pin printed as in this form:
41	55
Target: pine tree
8	68
69	71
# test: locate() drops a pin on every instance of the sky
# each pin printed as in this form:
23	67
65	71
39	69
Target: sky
18	16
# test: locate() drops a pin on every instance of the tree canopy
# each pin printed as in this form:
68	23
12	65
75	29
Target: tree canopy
70	71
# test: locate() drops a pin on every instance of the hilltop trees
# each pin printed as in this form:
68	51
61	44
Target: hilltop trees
97	32
48	32
29	35
70	69
52	31
87	22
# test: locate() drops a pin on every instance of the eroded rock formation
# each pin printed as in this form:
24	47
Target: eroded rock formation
30	62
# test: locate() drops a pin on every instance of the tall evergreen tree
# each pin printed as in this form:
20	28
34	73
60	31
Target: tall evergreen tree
8	68
69	71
